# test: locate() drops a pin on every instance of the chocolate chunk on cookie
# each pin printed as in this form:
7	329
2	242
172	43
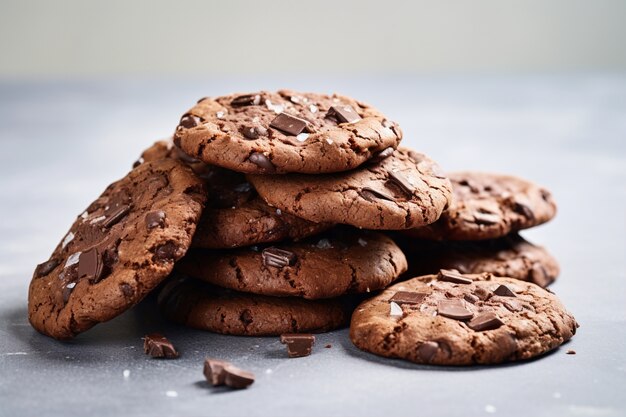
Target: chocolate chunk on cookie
488	321
339	262
117	250
201	306
489	206
510	256
403	191
286	131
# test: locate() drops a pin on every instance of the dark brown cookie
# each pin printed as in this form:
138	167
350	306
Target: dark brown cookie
339	262
452	319
198	305
404	190
489	206
117	250
510	256
281	132
235	215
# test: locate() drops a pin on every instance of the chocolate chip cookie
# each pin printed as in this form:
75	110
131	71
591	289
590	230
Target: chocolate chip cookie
235	215
286	131
340	262
454	319
488	206
510	256
117	250
402	191
201	306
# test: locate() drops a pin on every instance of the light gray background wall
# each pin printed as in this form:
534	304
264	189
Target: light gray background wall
43	38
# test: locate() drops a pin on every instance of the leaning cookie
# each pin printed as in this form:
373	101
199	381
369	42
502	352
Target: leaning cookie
402	191
454	319
341	261
201	306
489	206
510	256
286	131
117	250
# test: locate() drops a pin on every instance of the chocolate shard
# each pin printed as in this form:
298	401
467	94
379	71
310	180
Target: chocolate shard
167	252
454	309
427	351
504	291
373	195
402	182
452	276
90	265
253	132
343	114
278	258
246	100
237	378
289	124
45	268
298	344
155	219
116	215
486	218
382	155
539	275
485	321
214	371
157	346
523	209
512	305
408	297
189	120
262	161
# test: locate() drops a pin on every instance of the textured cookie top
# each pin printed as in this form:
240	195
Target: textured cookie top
325	266
510	256
453	319
404	190
286	131
488	206
117	250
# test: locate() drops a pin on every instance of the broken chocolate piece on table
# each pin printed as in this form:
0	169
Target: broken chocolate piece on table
298	344
158	346
218	372
214	371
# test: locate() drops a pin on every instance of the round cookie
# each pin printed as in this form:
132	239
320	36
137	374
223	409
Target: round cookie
286	131
453	319
117	250
403	191
235	215
510	256
332	264
205	307
488	206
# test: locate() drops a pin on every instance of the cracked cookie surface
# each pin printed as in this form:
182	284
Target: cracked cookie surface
488	206
117	250
342	261
201	306
453	319
404	190
286	131
510	256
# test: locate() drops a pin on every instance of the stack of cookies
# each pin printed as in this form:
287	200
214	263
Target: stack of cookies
272	213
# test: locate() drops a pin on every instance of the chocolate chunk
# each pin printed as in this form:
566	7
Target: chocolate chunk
471	298
278	258
539	276
343	114
246	100
262	161
127	289
523	209
408	297
237	378
155	219
512	305
214	371
90	265
427	351
45	268
371	194
328	346
116	215
67	291
485	321
167	252
482	293
288	124
157	346
452	276
402	182
253	132
486	218
246	317
298	345
382	155
454	309
504	291
188	121
571	352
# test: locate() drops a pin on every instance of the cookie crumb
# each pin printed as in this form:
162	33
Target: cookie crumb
570	352
328	346
126	374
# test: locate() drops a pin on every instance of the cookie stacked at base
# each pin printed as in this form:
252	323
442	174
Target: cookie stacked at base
302	184
479	231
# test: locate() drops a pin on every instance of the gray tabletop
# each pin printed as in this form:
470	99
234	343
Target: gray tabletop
62	143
